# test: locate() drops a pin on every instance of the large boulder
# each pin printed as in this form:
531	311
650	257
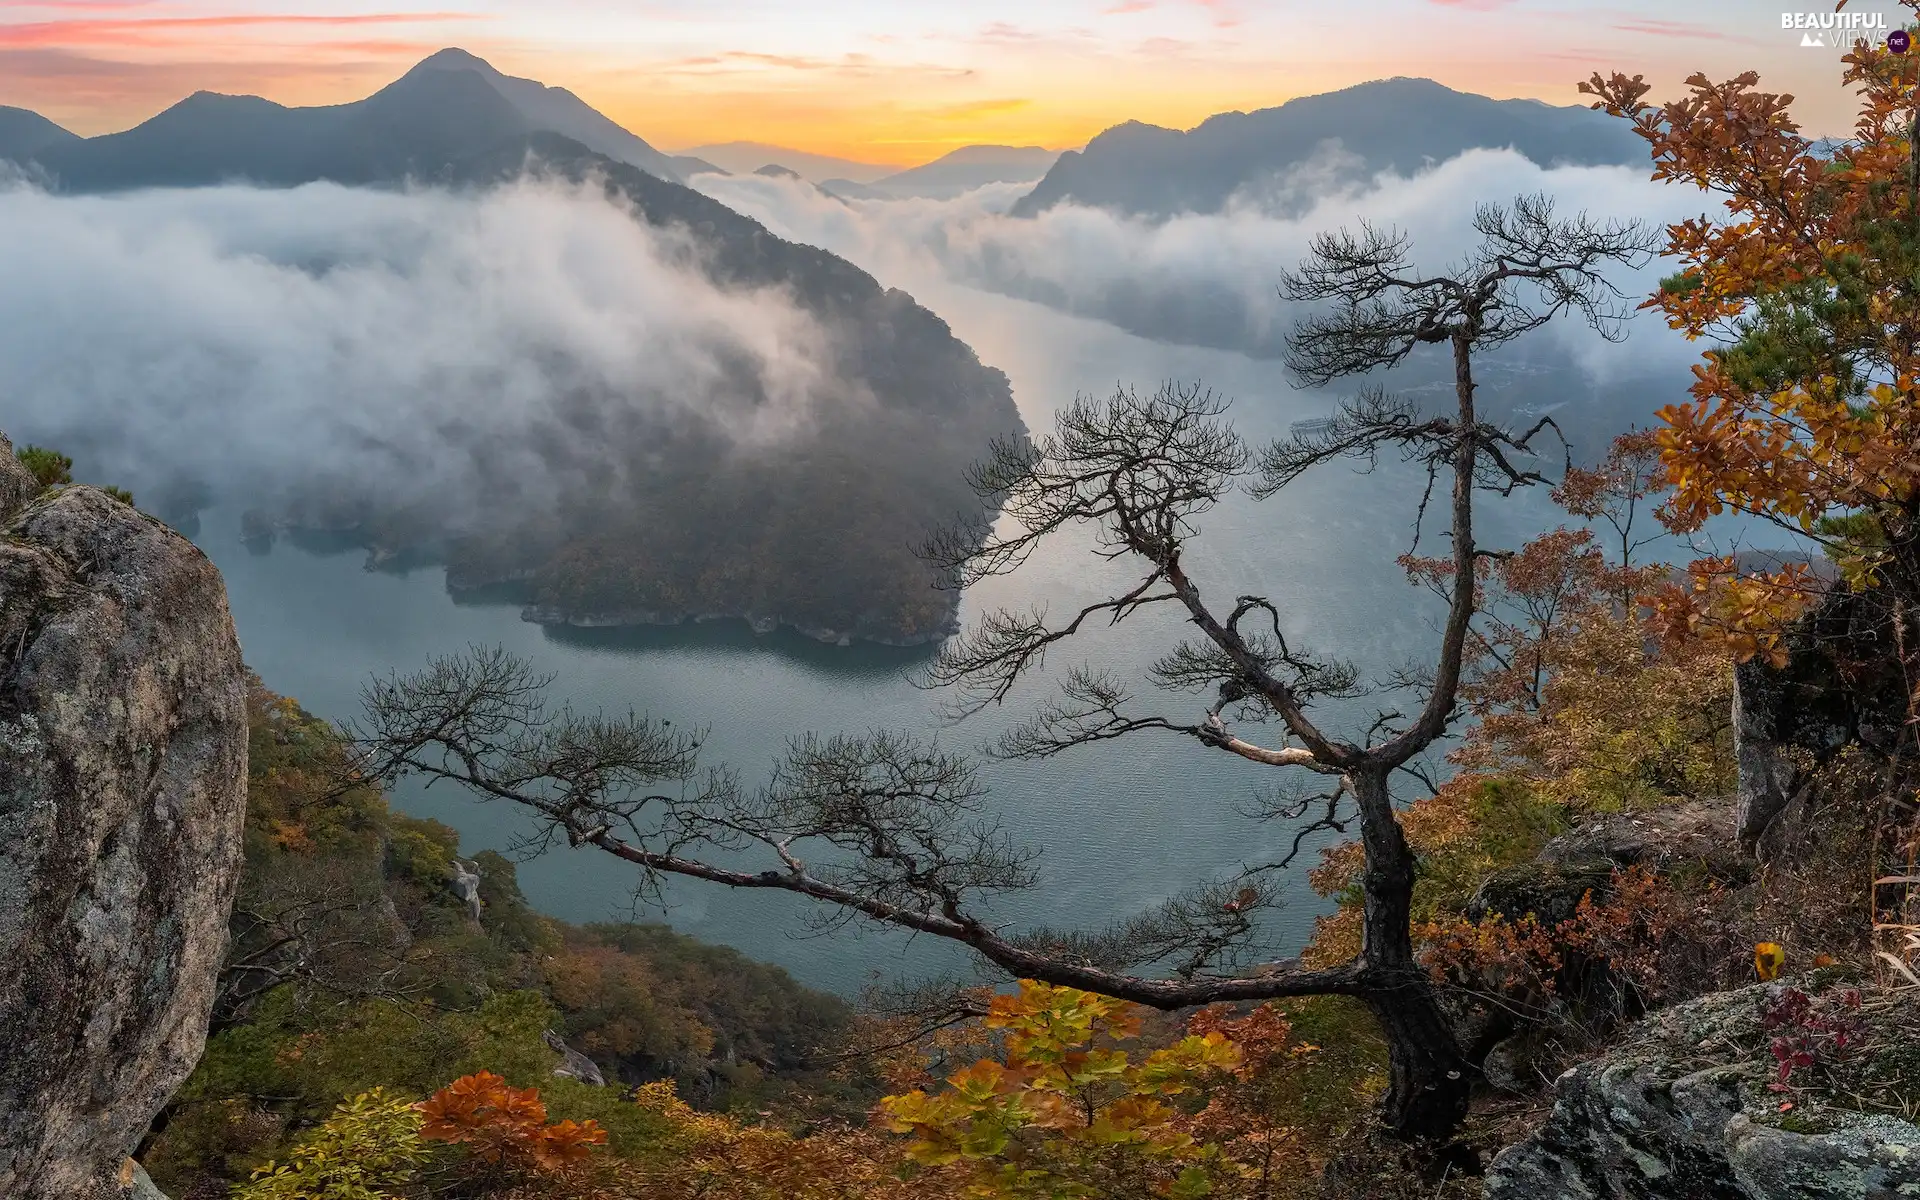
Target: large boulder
573	1064
1870	1158
122	792
1680	1112
1582	861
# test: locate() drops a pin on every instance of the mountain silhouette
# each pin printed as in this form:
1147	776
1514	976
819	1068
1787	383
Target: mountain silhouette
967	168
742	158
24	134
450	106
1393	124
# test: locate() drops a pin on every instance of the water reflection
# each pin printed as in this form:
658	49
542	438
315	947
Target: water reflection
736	639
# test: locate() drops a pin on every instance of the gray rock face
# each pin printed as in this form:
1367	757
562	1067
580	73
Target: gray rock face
1658	839
466	885
1626	1130
573	1064
1872	1159
1583	860
1648	1122
1514	1064
122	792
1767	776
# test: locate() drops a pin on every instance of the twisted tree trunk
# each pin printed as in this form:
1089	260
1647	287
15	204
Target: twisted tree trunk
1428	1085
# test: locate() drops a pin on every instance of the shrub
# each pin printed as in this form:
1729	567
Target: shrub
49	468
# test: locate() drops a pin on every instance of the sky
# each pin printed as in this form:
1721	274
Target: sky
896	81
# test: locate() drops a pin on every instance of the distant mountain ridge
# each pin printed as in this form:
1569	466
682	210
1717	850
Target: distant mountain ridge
450	105
1393	124
949	175
24	133
967	168
744	158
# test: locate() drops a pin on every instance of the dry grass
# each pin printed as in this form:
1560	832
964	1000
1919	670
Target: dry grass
1896	893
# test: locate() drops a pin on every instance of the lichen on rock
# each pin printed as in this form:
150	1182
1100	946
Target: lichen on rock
1868	1157
1678	1112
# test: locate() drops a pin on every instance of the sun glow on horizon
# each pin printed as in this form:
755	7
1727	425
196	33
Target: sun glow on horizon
888	84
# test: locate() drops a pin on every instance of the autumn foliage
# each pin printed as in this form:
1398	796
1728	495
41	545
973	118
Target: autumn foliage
497	1123
1526	960
377	1146
711	1156
1068	1109
1807	411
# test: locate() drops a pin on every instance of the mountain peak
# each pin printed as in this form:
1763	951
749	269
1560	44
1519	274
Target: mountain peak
997	154
455	59
1403	124
447	107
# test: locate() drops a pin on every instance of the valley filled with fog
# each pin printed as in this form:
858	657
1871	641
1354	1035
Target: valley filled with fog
424	346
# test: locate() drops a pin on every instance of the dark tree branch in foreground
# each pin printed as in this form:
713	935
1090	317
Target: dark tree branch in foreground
892	829
881	826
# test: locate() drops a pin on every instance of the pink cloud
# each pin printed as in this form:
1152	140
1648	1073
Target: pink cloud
1226	13
80	5
1659	28
852	66
157	31
94	95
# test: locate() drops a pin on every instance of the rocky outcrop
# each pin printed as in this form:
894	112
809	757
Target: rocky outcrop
17	484
1871	1158
1679	1112
122	791
1840	685
573	1064
1583	860
1589	998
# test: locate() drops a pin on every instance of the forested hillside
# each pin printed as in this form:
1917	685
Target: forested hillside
356	962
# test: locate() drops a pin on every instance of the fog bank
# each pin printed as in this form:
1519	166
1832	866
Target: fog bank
1213	279
422	348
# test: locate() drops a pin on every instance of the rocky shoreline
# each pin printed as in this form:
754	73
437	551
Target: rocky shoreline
541	614
512	587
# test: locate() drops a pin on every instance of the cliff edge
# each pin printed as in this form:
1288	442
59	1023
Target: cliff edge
123	752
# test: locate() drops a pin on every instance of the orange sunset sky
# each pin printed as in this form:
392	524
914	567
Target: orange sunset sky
899	82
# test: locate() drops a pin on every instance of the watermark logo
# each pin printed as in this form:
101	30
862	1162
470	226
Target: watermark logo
1840	30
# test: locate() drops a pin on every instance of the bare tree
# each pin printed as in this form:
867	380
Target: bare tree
325	925
892	829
